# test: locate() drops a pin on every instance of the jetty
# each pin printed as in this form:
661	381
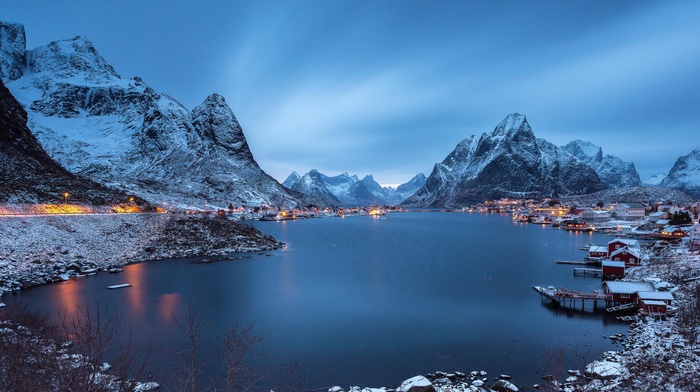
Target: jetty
571	298
621	307
571	262
594	272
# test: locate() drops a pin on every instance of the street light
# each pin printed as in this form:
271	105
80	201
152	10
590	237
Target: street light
65	196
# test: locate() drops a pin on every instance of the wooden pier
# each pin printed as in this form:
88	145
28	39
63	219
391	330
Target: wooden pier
571	262
596	273
571	298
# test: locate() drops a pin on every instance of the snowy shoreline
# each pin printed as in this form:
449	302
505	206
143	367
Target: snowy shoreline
43	249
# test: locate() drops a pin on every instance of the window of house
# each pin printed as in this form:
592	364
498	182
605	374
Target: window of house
624	295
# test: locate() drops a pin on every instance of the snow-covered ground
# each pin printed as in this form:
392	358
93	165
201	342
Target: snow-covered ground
41	249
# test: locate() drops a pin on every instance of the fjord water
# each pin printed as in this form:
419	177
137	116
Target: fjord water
373	301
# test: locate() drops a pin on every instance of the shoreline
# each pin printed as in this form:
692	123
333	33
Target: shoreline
38	250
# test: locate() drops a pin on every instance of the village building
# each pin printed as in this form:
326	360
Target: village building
630	211
613	269
654	217
625	292
629	256
694	237
595	216
675	232
619	243
596	252
654	303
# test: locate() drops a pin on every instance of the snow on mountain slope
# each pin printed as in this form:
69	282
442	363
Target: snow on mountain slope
685	174
654	180
613	171
508	162
122	133
348	190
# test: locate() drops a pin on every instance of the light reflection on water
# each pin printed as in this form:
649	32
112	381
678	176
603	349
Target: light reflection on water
371	302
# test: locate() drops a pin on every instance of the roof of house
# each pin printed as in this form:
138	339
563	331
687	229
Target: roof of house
658	213
632	205
598	249
633	252
628	287
628	242
608	263
654	303
655	295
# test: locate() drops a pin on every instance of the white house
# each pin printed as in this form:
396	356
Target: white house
630	211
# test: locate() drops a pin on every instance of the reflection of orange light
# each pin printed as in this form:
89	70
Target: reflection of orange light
134	275
167	306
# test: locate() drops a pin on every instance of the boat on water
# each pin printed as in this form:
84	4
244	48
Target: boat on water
119	286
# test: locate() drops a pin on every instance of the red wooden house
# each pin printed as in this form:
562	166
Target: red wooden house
630	257
613	269
619	243
654	303
625	292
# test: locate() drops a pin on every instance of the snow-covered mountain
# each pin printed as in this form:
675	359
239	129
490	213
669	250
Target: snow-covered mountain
29	175
613	171
685	174
312	184
508	162
348	190
654	180
122	133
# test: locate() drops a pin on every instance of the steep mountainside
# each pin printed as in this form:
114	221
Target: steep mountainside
122	133
639	194
29	175
685	174
348	190
508	162
654	180
613	171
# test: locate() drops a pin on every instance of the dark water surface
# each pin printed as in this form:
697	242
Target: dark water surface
371	302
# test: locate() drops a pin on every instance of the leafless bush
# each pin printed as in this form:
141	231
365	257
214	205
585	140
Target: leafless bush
239	348
688	318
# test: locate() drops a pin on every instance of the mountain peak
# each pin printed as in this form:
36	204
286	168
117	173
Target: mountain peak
513	123
69	58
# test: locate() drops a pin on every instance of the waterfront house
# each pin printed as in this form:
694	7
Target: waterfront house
613	269
619	243
630	257
661	223
654	303
630	211
625	292
595	216
596	252
674	232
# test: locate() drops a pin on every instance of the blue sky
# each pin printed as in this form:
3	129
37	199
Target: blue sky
390	87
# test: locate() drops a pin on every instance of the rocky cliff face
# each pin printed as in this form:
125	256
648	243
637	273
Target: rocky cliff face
685	174
508	162
613	171
12	50
29	175
122	133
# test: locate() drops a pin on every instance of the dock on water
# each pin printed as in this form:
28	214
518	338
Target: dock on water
573	262
594	272
571	298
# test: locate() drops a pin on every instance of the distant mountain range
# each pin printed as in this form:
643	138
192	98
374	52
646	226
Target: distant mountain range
98	127
347	190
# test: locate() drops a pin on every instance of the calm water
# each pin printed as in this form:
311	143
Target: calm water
371	302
